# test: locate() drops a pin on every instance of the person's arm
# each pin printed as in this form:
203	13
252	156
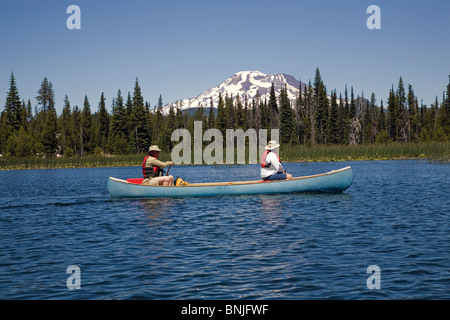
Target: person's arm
157	163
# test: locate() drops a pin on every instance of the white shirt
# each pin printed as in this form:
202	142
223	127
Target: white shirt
275	165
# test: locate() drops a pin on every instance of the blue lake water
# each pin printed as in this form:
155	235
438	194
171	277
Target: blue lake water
396	215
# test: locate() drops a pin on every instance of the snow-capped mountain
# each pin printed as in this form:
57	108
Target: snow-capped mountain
245	84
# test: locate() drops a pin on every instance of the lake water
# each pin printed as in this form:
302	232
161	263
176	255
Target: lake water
396	216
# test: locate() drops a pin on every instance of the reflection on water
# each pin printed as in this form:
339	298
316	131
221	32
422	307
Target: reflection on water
156	205
270	203
271	210
156	209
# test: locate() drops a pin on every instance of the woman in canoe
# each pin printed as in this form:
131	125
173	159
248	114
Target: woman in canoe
152	168
271	167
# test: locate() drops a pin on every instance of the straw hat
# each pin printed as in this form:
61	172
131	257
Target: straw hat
153	148
272	145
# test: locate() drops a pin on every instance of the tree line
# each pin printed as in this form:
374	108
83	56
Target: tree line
131	124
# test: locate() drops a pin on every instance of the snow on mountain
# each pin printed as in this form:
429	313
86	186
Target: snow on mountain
245	84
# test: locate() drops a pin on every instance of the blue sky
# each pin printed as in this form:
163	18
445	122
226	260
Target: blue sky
181	48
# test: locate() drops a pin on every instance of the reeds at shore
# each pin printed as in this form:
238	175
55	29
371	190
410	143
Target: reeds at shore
430	151
434	152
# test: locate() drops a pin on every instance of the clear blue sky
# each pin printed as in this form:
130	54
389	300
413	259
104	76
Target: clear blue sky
181	48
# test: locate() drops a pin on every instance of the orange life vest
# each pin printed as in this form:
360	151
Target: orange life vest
150	172
263	159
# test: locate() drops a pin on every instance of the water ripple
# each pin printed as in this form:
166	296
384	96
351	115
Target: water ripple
295	246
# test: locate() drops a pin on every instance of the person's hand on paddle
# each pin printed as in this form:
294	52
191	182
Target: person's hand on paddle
170	164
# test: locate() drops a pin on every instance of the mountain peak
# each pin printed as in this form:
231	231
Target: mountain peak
245	84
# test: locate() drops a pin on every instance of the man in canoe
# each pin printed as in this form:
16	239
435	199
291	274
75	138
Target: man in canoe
271	168
152	168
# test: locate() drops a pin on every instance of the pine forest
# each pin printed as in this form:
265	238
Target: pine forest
127	124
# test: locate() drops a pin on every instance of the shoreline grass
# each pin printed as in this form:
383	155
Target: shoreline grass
91	161
433	152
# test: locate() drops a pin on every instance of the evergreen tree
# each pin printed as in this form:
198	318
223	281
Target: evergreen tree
138	121
118	132
382	136
29	114
413	115
352	107
300	115
179	117
46	98
229	112
160	102
103	124
444	112
211	117
10	116
77	138
370	123
334	119
273	109
341	120
422	117
265	115
46	95
286	118
346	118
3	133
221	121
402	122
374	113
382	125
13	107
120	115
392	115
239	114
86	128
49	132
65	128
322	109
354	120
310	116
247	120
438	133
158	123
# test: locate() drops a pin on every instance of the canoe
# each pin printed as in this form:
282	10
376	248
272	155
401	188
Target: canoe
330	182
